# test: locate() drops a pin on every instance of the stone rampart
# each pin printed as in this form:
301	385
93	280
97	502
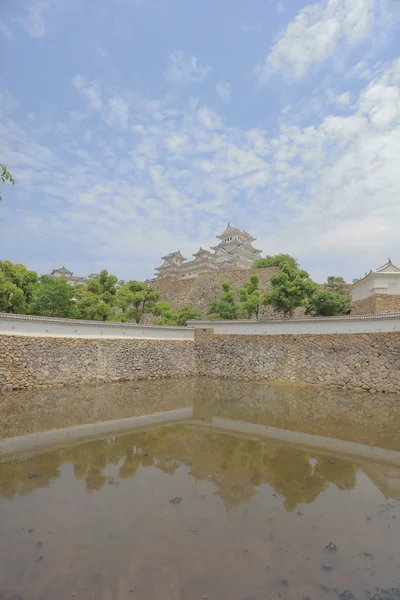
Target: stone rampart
369	361
31	362
348	352
376	304
202	290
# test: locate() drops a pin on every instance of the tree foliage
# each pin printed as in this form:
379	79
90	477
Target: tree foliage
16	287
276	260
135	299
187	313
180	317
53	298
226	307
5	177
291	288
336	284
250	296
324	303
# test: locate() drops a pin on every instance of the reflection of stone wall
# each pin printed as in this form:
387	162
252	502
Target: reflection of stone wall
202	290
369	361
362	418
40	362
380	303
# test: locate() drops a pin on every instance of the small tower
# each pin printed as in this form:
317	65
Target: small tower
171	265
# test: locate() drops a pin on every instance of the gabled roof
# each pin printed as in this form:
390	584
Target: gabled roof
177	254
202	252
388	267
231	230
61	270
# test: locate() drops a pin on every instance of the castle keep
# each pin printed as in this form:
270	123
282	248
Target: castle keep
235	251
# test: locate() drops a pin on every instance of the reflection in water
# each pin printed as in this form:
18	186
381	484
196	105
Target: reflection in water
252	516
237	466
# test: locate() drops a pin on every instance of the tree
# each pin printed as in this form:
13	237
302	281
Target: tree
16	287
226	307
104	286
53	298
135	299
179	317
5	176
187	313
324	303
291	288
276	260
336	284
97	300
11	296
250	296
92	306
166	314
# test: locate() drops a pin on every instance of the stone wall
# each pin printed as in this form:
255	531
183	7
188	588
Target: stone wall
357	361
29	362
376	304
202	290
369	361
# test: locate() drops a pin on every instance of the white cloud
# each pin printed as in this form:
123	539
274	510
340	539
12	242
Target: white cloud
184	67
224	90
315	34
34	20
323	192
90	91
6	31
343	99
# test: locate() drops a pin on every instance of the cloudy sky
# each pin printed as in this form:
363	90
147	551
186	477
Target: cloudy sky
135	128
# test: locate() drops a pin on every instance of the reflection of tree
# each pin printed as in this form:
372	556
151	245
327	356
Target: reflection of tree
236	465
14	474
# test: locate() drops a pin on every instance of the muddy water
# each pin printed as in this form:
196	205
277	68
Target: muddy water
259	492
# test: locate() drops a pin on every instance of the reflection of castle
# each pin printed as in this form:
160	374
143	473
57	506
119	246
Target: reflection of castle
235	251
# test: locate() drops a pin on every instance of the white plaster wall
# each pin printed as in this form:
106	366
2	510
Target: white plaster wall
384	283
43	326
304	326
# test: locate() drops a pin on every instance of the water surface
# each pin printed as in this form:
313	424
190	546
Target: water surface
259	492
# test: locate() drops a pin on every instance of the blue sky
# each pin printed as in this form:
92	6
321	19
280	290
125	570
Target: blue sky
135	128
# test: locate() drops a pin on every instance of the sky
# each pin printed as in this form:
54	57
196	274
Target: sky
134	128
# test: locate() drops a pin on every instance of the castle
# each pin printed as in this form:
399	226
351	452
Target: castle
235	251
69	277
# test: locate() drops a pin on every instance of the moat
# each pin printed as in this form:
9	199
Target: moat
199	489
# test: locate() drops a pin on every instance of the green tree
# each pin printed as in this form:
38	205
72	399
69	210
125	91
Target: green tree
98	300
291	288
166	315
92	306
135	299
16	287
226	307
53	298
12	298
180	317
250	296
104	286
5	177
276	260
324	303
336	284
187	313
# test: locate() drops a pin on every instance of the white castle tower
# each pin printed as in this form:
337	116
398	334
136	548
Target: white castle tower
235	251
